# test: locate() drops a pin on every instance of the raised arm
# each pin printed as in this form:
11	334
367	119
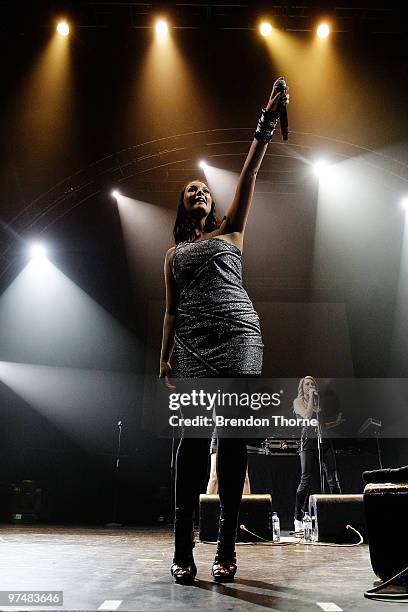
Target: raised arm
237	214
169	318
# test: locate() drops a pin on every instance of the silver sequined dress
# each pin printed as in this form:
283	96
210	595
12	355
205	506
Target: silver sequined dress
217	330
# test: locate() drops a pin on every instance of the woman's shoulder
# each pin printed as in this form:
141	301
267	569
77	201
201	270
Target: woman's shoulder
168	258
170	252
298	402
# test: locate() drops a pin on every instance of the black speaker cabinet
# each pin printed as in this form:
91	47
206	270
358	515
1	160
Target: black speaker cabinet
255	513
331	513
386	509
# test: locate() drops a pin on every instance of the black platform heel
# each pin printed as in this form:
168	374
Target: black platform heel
184	569
224	570
184	572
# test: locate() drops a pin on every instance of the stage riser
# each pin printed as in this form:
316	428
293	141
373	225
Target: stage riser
279	475
332	513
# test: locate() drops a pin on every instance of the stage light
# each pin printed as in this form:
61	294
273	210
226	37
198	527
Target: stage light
63	28
404	203
202	164
321	168
38	252
323	30
115	194
265	28
162	29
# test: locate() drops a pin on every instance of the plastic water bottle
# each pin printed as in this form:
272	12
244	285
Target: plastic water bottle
307	527
275	527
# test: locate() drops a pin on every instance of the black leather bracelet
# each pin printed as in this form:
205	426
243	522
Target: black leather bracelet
266	126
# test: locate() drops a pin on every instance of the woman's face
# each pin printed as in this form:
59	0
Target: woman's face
197	199
308	385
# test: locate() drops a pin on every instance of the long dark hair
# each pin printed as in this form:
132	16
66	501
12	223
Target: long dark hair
183	230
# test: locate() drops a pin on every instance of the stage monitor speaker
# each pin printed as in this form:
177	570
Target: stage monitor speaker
332	513
386	509
255	513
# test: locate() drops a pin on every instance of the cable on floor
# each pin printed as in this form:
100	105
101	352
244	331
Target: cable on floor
360	541
402	576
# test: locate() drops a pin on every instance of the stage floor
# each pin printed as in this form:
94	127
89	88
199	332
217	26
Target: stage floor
128	570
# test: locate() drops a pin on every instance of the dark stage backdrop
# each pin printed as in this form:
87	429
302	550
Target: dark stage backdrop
106	115
78	483
76	472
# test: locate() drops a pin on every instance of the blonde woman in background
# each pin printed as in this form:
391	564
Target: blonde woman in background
307	406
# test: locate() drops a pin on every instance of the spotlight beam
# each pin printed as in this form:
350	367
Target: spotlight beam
323	30
161	28
321	168
63	28
38	252
265	28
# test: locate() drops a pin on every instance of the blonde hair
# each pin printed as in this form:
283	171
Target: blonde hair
301	395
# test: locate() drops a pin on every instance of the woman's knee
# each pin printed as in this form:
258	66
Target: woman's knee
305	481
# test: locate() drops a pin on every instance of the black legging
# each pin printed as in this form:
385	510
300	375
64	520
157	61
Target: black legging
308	459
191	469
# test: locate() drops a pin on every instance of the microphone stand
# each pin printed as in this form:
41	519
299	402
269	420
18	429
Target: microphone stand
115	524
320	447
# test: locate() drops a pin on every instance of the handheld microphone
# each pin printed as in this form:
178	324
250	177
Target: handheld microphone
283	114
